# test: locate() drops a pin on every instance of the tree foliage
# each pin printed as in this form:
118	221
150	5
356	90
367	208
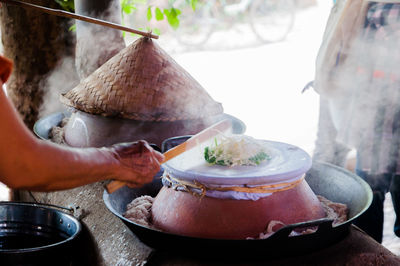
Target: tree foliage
129	7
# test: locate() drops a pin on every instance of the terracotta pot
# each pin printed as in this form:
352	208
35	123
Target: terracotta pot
86	130
232	214
184	214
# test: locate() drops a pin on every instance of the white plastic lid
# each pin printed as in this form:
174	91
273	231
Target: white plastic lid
287	163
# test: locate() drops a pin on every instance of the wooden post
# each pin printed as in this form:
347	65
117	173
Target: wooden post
96	44
35	42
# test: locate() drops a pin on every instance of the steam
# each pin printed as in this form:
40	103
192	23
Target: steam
96	44
364	82
60	80
364	96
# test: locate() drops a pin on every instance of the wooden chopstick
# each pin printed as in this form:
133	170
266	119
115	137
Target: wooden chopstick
62	13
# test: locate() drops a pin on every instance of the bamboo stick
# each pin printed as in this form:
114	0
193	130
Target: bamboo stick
62	13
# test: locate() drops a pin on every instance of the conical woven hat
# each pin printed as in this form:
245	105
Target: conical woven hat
142	82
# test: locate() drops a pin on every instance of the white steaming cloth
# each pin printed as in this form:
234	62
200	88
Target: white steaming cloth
236	195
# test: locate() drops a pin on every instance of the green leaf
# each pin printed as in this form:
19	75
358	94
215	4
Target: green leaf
222	162
209	156
159	14
128	6
206	154
127	9
259	157
67	5
149	14
172	17
193	4
157	31
132	2
72	28
176	11
124	4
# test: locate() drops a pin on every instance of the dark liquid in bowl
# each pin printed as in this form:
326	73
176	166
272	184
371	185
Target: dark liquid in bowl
23	241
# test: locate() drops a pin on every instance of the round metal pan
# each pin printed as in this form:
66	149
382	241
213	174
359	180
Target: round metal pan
334	183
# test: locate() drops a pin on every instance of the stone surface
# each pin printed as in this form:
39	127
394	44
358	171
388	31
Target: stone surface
114	244
356	249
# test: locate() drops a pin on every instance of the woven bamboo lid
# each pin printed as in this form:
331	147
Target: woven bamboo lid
142	82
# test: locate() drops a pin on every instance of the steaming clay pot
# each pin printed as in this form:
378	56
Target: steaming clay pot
87	130
231	214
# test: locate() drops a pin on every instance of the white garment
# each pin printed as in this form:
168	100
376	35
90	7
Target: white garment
357	73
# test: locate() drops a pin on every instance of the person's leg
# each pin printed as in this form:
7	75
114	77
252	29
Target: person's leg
371	221
395	192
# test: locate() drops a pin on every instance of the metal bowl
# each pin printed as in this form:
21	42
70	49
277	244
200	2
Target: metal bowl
43	126
334	183
36	234
86	130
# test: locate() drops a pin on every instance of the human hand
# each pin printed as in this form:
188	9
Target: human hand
138	162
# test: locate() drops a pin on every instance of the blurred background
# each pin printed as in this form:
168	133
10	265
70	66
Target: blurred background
253	56
255	59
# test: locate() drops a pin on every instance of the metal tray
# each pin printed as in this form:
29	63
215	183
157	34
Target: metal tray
334	183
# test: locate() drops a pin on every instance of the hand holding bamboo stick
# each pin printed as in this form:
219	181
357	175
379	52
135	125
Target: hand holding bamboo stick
195	140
